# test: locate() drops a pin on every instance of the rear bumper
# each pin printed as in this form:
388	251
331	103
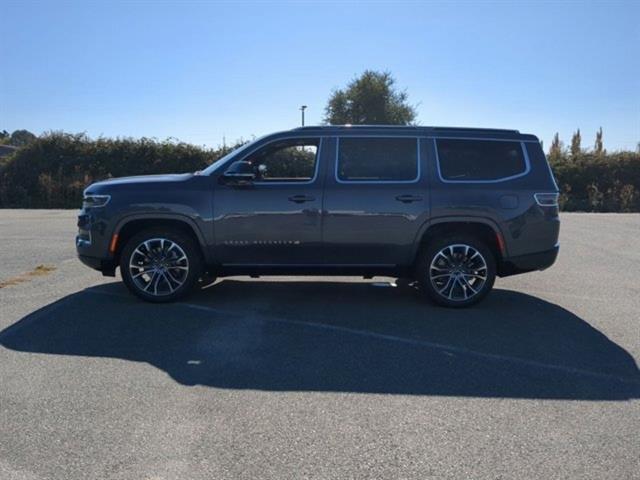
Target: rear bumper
528	263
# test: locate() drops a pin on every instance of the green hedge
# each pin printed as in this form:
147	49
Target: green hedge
598	183
53	170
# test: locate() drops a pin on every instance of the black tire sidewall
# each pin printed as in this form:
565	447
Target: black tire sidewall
185	242
424	263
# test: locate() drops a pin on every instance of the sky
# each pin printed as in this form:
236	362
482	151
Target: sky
203	71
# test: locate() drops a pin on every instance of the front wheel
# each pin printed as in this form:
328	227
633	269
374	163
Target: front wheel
456	271
160	265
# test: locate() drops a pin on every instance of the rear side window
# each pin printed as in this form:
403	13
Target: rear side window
377	159
479	160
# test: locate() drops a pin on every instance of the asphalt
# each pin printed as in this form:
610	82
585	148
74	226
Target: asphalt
320	377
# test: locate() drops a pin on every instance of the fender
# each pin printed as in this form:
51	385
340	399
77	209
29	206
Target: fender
455	218
168	216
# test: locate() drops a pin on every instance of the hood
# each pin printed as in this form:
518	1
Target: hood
140	179
127	183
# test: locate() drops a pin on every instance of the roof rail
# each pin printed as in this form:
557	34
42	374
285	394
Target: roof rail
472	129
410	127
337	127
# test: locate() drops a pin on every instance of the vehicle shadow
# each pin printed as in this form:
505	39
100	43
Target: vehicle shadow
340	337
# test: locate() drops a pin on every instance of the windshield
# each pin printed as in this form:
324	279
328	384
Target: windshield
222	160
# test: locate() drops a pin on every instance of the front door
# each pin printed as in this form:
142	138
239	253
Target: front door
276	219
376	199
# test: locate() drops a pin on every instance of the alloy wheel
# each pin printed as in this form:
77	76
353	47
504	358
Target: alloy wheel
458	272
158	266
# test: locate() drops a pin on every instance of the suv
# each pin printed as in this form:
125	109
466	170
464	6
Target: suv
449	207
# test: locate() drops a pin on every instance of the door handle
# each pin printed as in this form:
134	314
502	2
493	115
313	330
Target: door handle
409	198
301	198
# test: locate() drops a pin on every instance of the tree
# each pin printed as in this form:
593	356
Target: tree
20	138
576	141
371	99
555	152
599	145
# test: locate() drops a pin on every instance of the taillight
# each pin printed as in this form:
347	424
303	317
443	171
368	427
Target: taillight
546	199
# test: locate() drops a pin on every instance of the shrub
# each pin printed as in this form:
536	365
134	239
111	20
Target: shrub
598	182
53	170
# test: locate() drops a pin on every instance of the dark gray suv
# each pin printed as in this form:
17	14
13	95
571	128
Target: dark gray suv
448	207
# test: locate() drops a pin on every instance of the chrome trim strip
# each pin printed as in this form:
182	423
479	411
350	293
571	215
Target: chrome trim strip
497	180
377	182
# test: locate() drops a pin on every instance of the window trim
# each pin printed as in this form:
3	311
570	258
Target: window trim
525	156
321	140
378	182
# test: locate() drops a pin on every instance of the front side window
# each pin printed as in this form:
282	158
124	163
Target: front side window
377	159
479	160
291	160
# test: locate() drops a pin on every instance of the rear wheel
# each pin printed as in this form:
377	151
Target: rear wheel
160	265
456	271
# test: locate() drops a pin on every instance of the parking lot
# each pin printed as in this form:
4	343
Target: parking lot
319	377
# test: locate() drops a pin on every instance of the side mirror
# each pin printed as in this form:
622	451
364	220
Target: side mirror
239	173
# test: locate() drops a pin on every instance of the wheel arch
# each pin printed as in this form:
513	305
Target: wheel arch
484	228
130	225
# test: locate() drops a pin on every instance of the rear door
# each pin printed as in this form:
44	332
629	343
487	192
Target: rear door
375	200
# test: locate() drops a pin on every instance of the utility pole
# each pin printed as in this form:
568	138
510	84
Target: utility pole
302	109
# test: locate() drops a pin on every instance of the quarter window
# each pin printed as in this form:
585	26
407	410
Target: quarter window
291	160
377	159
479	160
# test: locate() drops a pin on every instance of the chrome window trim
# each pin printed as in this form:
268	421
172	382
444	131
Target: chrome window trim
293	182
377	182
496	180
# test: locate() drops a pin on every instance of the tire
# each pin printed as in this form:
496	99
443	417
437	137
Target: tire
160	265
456	271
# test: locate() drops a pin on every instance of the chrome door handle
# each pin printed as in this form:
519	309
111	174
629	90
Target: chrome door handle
301	198
409	198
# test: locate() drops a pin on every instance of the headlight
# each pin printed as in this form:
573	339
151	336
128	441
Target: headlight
93	201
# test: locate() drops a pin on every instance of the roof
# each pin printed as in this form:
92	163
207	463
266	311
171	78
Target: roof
420	130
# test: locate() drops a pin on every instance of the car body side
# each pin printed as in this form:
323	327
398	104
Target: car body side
352	228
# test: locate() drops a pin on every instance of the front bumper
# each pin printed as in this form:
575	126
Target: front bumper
528	263
107	267
92	262
92	243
